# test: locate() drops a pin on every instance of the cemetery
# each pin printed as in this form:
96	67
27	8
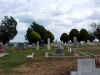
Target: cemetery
59	60
55	39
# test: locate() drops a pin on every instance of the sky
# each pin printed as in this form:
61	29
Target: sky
58	16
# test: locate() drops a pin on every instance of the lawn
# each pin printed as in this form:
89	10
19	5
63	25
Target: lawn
16	58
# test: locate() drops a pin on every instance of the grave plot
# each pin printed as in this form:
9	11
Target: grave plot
86	67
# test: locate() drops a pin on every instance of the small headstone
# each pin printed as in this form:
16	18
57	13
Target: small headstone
37	45
58	52
46	54
82	42
33	45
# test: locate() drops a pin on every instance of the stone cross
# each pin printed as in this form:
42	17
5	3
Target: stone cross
37	45
48	46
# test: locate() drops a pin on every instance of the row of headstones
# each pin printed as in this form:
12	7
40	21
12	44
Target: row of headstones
38	46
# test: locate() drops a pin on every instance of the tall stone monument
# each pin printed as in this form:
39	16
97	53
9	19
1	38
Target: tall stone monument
37	45
48	46
75	43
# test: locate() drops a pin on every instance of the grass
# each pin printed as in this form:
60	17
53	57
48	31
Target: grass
16	58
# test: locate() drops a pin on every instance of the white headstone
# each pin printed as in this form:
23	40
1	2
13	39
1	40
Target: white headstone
48	43
46	54
37	45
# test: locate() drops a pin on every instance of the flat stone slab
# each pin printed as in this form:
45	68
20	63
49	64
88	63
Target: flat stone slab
86	65
3	54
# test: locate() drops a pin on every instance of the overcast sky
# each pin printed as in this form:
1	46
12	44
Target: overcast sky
58	16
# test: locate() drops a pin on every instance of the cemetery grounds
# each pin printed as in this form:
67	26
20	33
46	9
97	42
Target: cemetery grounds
16	63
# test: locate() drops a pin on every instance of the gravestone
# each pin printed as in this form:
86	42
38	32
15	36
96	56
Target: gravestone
37	45
33	45
82	42
86	65
48	44
75	43
1	47
46	54
58	52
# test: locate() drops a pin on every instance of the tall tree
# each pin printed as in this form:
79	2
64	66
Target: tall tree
49	35
44	33
74	33
7	29
97	33
33	37
84	36
64	37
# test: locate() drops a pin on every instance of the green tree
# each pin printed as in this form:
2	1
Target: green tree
84	36
74	33
7	29
91	37
97	33
64	37
33	37
49	35
39	29
45	34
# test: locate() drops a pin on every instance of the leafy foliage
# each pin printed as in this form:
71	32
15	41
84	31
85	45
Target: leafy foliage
45	34
74	33
34	37
84	36
7	29
64	37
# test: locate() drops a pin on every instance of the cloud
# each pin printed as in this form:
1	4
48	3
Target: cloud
58	16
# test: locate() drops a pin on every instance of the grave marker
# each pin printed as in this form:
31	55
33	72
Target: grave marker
37	45
48	44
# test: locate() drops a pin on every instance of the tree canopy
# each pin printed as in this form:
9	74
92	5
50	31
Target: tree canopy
64	37
44	33
7	29
74	33
84	35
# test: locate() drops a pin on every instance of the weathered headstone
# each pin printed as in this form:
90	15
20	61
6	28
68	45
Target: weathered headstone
86	65
37	45
48	43
1	47
58	52
46	54
75	43
33	45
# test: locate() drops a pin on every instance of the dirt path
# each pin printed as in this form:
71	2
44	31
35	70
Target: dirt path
52	67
